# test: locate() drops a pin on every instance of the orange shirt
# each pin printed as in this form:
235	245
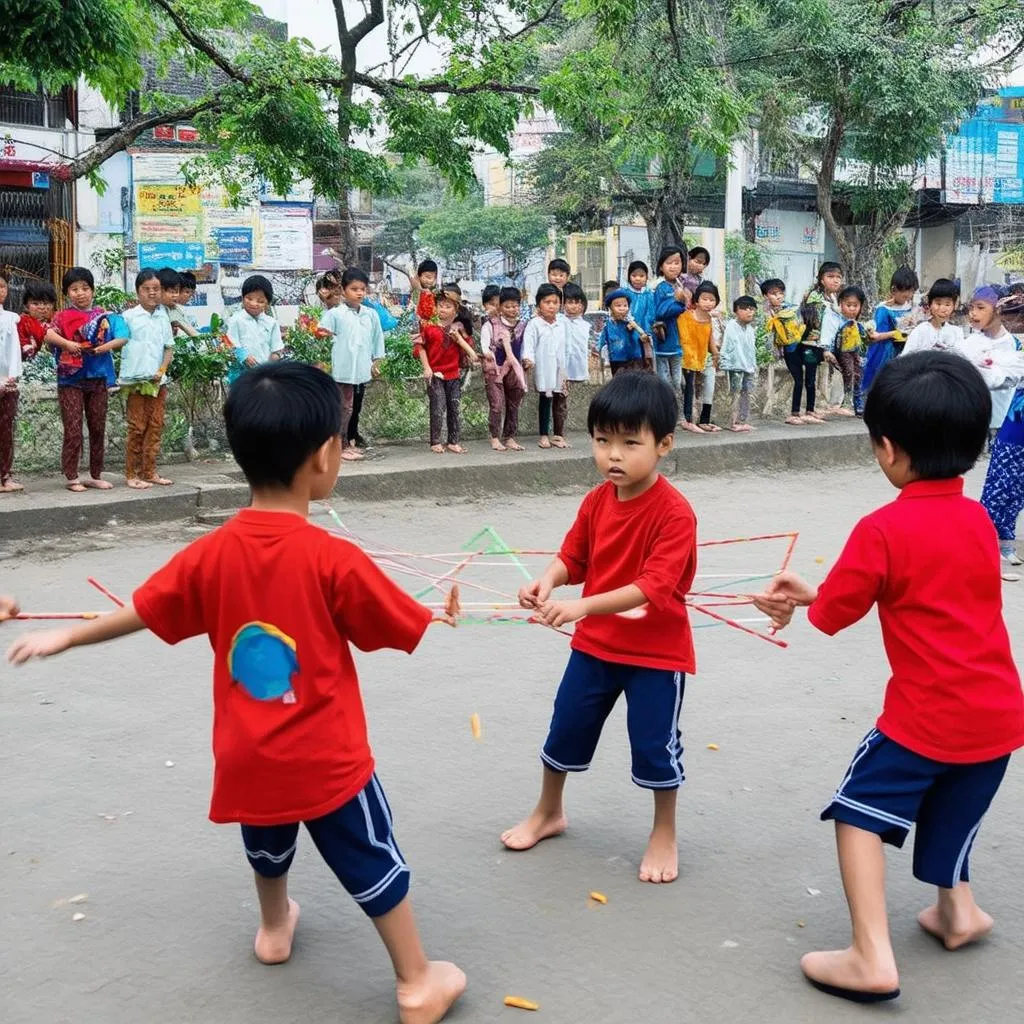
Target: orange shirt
694	339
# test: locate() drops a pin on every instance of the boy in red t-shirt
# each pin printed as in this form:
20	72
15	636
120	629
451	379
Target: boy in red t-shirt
423	294
953	710
282	601
438	349
634	549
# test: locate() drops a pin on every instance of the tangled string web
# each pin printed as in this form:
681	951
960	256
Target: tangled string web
488	572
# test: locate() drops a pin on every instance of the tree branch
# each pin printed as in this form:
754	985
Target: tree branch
430	86
373	18
128	132
203	45
531	25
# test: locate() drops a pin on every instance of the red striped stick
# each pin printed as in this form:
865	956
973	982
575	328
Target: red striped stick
106	593
739	626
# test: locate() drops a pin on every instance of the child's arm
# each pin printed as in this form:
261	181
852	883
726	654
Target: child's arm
8	608
538	591
460	339
165	364
419	350
57	340
56	641
276	343
614	602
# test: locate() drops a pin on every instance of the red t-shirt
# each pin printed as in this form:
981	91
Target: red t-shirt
650	541
930	561
281	600
442	351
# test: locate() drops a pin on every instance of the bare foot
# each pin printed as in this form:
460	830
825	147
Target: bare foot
543	443
692	428
274	946
437	449
661	859
97	484
456	449
351	455
538	826
956	930
514	446
75	485
428	1000
139	485
847	974
560	442
497	445
12	487
795	421
160	481
842	412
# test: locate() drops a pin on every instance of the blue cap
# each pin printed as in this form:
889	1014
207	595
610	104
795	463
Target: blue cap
619	293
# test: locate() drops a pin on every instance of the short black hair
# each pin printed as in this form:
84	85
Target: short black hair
904	280
426	267
669	251
609	286
354	274
699	250
633	401
169	277
828	267
574	291
491	291
943	288
546	291
707	288
559	264
144	275
744	302
935	407
258	283
852	292
509	294
38	291
637	265
452	286
277	415
74	275
773	284
188	280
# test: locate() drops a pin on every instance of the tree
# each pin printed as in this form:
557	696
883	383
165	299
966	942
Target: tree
418	189
877	85
465	228
281	110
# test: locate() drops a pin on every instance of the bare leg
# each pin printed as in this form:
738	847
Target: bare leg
868	966
426	988
661	858
955	919
278	917
547	819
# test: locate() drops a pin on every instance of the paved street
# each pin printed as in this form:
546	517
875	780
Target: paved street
105	763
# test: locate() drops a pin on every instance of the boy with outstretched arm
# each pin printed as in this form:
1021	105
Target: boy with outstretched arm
634	549
953	710
282	601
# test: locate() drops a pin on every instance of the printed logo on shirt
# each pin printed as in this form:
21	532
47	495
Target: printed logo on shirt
262	660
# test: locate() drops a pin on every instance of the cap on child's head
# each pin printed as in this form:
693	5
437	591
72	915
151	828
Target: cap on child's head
277	415
934	407
633	402
616	293
988	294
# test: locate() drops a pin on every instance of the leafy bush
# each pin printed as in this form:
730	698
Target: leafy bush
306	341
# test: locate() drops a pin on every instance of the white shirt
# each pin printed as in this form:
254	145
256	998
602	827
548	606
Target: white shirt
577	353
544	345
924	337
739	349
10	346
1000	366
143	353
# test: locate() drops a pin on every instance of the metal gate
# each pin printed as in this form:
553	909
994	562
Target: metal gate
36	235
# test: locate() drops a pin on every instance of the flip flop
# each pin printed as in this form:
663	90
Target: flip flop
854	995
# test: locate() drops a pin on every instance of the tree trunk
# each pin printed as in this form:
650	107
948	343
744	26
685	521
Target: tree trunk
666	220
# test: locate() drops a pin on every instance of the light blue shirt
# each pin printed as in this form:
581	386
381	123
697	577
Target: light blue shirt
739	349
256	336
150	337
358	341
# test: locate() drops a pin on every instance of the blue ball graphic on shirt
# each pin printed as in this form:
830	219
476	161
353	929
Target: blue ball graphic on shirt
263	660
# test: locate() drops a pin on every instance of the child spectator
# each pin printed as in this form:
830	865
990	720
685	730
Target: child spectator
490	302
170	295
437	348
1003	493
819	312
891	324
464	318
992	349
739	360
282	602
10	374
633	547
85	370
953	710
848	346
501	340
697	262
254	333
641	298
784	327
559	273
707	380
423	290
328	289
937	332
696	341
357	349
144	364
621	339
670	301
38	302
577	351
544	351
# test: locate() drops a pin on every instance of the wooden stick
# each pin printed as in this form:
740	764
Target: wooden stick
27	616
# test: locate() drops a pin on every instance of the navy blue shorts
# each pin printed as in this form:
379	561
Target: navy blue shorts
357	843
888	788
588	692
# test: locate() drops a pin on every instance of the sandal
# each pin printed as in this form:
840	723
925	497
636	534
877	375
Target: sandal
139	485
75	485
497	446
514	446
560	442
543	443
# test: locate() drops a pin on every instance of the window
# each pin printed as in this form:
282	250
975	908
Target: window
590	268
32	108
